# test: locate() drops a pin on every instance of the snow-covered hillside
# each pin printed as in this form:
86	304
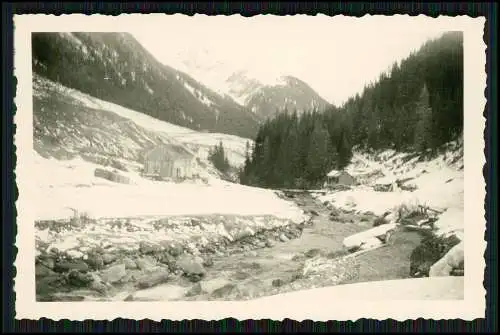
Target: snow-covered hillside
71	184
75	132
133	131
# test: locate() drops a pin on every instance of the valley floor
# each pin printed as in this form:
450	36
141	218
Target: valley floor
157	241
266	263
280	268
205	239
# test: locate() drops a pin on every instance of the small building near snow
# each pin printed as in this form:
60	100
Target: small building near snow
386	184
342	177
169	161
366	176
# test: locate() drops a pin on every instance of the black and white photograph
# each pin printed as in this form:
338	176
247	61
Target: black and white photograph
270	161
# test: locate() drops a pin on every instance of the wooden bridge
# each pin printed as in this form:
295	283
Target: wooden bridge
287	191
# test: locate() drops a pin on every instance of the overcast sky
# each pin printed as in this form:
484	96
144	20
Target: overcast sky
335	56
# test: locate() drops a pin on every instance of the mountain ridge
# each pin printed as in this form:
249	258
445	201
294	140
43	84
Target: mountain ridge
115	67
254	88
286	93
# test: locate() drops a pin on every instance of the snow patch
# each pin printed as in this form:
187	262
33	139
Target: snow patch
195	141
71	38
197	94
149	89
418	289
439	185
140	119
76	41
66	187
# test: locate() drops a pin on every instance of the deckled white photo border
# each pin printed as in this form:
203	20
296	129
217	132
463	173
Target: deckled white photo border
327	308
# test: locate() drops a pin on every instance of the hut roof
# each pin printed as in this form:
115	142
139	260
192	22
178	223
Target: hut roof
174	151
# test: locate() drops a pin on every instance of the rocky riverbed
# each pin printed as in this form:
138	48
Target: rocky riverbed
210	257
83	259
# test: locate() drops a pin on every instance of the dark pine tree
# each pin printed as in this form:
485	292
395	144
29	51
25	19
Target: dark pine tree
218	158
423	130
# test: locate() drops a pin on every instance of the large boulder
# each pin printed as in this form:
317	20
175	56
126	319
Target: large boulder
367	237
95	261
75	254
269	243
148	248
313	212
283	238
371	243
46	261
129	263
176	250
79	279
108	258
241	234
330	271
111	176
191	265
431	250
153	279
208	262
241	275
196	289
114	273
312	253
43	271
225	291
211	285
145	263
117	165
452	260
66	266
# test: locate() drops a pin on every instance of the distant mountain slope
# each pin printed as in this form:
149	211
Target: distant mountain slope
69	124
418	104
266	99
262	90
116	68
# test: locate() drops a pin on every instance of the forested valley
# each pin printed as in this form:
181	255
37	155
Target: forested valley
416	106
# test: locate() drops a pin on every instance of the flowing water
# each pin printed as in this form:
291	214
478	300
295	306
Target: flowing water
273	270
315	258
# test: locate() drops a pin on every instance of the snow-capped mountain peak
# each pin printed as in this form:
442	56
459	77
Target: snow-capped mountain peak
276	93
261	89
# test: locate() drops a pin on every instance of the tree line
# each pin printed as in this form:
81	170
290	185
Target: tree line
297	150
218	158
416	106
